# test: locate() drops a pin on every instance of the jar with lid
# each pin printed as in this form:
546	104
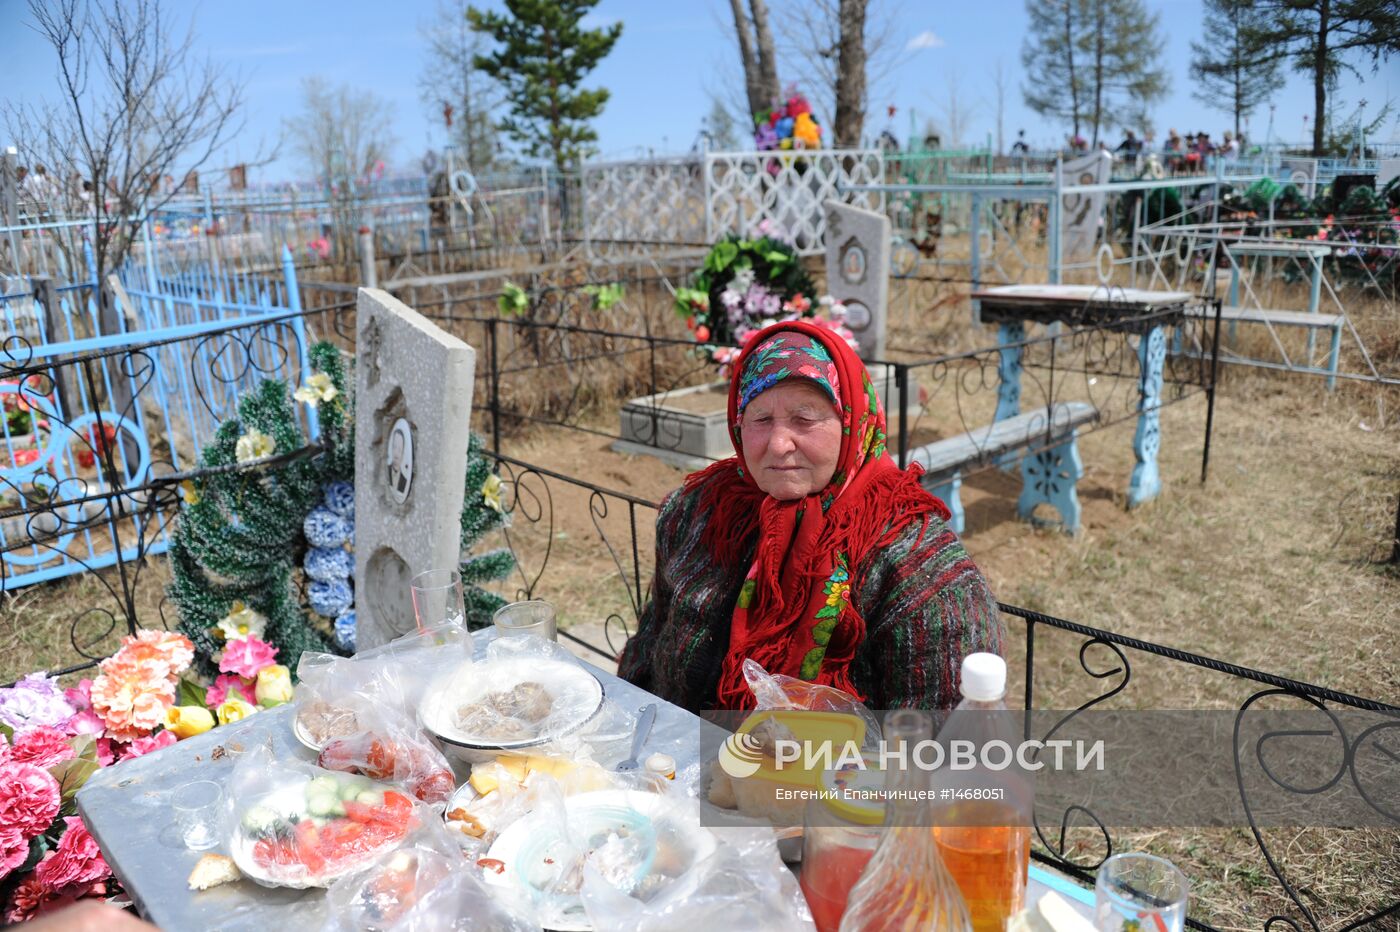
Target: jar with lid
841	832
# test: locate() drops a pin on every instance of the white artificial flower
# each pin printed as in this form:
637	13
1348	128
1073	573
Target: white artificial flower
318	388
253	445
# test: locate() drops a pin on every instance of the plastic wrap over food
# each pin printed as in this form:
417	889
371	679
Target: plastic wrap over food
292	824
526	692
335	692
390	747
741	883
424	886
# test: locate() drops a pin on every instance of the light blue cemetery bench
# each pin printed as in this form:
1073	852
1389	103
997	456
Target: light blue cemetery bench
1310	254
1048	475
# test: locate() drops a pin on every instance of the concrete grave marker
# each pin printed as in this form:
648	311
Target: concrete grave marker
857	271
413	402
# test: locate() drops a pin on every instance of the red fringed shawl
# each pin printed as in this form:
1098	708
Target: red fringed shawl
794	614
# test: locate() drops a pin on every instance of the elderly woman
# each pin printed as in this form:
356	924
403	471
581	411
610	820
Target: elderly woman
809	551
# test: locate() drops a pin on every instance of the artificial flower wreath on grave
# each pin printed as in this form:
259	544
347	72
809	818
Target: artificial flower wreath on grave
746	284
235	557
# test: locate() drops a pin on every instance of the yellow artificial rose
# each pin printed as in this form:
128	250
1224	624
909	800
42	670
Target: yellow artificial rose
234	710
186	721
806	131
274	685
491	493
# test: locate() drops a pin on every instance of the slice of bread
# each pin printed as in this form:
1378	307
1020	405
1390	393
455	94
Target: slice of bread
212	870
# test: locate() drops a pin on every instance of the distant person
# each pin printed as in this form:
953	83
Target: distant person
1229	151
1130	146
1019	147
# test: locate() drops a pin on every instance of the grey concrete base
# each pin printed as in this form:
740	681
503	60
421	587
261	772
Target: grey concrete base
653	426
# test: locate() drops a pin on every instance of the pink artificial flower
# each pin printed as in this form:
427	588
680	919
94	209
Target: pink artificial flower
29	798
799	303
107	751
14	850
80	696
43	747
86	722
245	656
76	864
141	746
223	685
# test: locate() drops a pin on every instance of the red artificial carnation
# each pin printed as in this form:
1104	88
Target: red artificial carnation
34	898
29	798
43	747
76	864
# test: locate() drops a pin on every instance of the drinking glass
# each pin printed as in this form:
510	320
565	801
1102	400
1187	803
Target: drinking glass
523	619
1140	891
197	808
437	599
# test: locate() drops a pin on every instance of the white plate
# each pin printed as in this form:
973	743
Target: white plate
290	800
566	682
528	835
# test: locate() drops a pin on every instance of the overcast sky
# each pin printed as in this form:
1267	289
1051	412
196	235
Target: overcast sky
671	57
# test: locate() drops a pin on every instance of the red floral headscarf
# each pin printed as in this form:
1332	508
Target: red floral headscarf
794	614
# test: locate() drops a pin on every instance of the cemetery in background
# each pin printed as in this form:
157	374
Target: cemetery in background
120	384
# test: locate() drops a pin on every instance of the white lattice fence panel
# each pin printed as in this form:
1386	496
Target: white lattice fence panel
656	201
787	189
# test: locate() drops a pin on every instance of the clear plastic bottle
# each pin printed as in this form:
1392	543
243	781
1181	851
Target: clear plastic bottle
905	886
983	833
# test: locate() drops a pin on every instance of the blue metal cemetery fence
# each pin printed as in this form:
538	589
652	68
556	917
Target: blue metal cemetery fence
90	418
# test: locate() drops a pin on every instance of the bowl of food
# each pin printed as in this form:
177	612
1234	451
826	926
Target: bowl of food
509	704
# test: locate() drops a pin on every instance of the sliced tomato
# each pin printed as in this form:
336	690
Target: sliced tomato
358	812
308	843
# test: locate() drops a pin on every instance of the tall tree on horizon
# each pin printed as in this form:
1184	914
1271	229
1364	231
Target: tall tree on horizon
1052	54
542	58
450	78
757	54
1316	35
1226	77
1123	45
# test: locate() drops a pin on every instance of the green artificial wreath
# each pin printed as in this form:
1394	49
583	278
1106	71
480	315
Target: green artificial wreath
238	546
765	281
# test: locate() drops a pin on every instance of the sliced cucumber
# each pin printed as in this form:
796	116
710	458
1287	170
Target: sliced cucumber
370	798
324	804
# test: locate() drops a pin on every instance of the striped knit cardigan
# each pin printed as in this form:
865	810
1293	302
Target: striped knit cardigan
925	604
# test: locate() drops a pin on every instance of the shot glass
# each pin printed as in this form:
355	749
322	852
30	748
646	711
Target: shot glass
1140	891
198	808
526	619
437	598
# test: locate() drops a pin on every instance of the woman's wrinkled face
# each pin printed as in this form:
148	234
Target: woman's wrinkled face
791	437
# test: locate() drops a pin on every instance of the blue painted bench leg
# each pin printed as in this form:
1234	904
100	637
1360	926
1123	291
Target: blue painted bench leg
1146	482
950	492
1009	381
1334	355
1049	477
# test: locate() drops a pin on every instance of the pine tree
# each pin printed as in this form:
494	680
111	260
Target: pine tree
1316	36
1092	63
1123	46
1221	68
1052	55
544	55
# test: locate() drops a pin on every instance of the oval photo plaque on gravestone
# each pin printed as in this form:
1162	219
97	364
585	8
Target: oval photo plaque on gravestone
400	464
857	315
853	263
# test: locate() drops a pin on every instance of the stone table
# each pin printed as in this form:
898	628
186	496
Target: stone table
127	809
1148	314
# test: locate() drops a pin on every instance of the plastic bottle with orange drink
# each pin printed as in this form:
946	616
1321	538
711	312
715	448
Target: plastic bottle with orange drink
982	829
